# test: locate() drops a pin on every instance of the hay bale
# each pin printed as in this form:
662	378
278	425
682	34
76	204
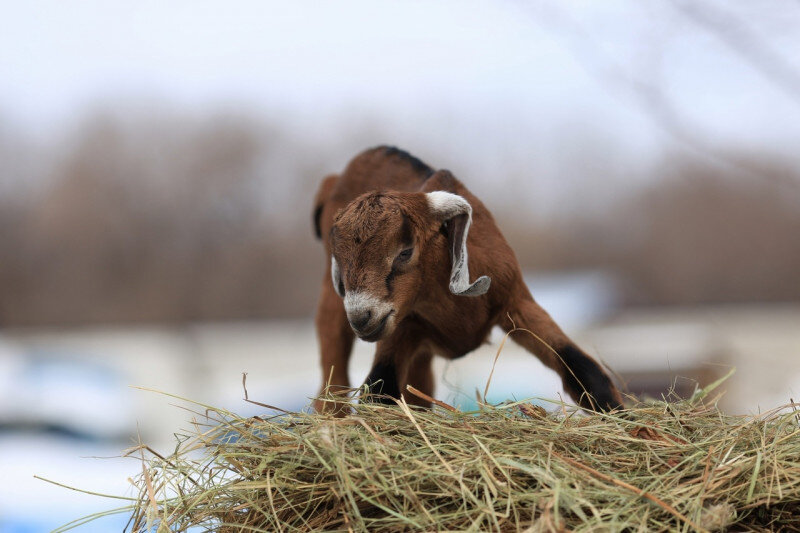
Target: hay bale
654	467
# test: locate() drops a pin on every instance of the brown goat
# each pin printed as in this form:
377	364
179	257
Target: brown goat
401	240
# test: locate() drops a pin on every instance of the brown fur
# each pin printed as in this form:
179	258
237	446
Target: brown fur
373	211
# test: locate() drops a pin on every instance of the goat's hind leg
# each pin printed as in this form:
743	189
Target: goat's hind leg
336	342
583	377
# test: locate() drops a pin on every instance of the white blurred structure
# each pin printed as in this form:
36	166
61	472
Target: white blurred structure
762	344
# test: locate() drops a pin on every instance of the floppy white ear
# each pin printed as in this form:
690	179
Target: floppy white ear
456	211
336	277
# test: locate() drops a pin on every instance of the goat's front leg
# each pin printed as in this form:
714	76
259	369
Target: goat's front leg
335	342
420	376
383	382
583	377
390	369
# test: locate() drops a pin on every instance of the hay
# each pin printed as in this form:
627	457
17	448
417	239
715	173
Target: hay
679	466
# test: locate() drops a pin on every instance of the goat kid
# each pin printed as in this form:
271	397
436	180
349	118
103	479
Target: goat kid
401	241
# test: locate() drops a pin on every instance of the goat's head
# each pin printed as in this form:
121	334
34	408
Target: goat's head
381	244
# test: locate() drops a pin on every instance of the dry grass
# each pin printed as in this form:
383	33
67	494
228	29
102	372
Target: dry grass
679	466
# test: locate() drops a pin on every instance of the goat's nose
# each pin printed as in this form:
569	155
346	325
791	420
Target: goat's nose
359	319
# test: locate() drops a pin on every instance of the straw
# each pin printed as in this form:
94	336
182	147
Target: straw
657	466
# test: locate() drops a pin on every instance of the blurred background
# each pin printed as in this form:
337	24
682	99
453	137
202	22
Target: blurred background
158	163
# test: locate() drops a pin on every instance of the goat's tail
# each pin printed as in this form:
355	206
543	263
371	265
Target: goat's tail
321	197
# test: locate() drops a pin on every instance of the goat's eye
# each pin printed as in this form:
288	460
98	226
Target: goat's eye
405	255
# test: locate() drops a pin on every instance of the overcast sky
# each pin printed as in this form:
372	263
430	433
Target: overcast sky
483	76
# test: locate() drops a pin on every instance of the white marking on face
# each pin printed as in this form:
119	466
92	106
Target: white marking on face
356	303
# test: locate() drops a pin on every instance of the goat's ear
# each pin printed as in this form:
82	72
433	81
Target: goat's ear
456	212
336	277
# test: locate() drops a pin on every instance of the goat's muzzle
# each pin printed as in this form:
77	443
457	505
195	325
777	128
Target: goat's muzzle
368	316
372	331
